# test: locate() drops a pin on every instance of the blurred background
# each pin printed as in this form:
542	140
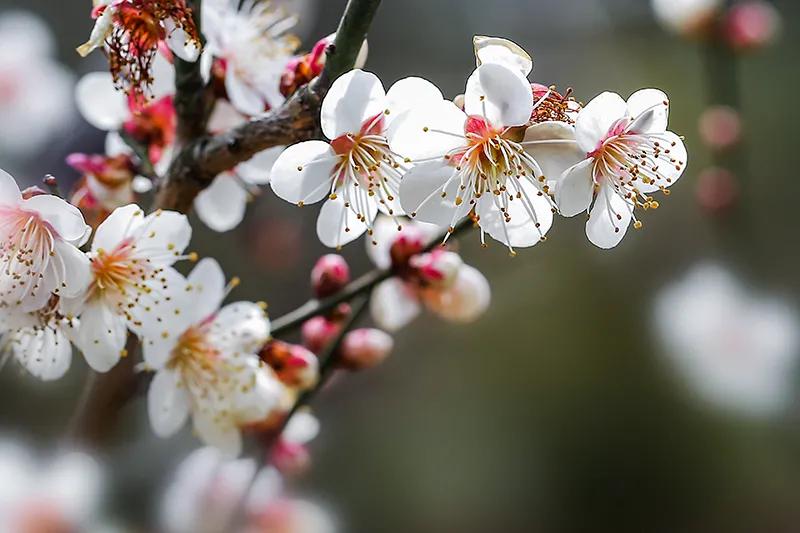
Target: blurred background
561	410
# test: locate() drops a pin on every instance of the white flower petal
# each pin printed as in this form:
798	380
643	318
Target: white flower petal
207	289
9	190
338	225
409	94
597	117
429	132
353	98
530	220
608	220
466	300
393	305
44	352
115	145
121	223
574	189
240	328
303	172
257	169
243	96
222	205
302	428
650	109
77	273
553	146
669	173
100	103
219	432
164	231
65	218
100	336
168	403
180	43
500	95
421	194
503	52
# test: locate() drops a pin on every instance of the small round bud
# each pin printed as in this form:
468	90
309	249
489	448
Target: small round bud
330	275
720	127
365	348
717	190
459	101
294	365
438	268
318	332
32	191
752	25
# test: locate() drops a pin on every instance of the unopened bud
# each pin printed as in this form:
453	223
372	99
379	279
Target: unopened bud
32	191
691	18
318	332
717	190
294	365
720	127
410	241
365	348
752	25
330	275
465	301
438	268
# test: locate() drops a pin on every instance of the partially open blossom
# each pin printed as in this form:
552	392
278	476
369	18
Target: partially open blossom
131	281
35	90
248	48
717	190
223	204
365	348
752	24
39	340
329	275
302	69
737	348
62	494
474	160
207	365
720	127
290	454
295	366
625	154
437	280
39	255
131	31
357	172
687	17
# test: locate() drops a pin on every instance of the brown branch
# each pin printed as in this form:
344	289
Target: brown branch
194	99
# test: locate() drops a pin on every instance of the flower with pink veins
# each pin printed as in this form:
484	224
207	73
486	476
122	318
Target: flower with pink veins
473	160
39	255
356	171
223	204
625	154
436	280
132	280
207	365
249	45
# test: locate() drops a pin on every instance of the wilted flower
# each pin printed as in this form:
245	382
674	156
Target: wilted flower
737	348
438	279
207	363
35	91
248	46
627	154
356	171
39	255
687	17
133	30
131	279
62	494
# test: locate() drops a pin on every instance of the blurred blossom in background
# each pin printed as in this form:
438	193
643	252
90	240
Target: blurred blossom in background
652	388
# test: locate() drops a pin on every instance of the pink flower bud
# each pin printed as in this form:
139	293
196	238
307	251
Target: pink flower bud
294	365
32	191
364	348
438	268
290	458
318	332
717	190
329	275
408	242
720	127
465	301
752	25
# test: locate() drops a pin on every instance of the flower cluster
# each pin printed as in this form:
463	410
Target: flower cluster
515	154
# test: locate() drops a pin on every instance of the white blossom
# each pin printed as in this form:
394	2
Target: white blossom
207	365
356	171
737	348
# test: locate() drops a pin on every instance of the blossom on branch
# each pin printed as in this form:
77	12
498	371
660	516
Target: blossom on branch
356	171
131	32
207	365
